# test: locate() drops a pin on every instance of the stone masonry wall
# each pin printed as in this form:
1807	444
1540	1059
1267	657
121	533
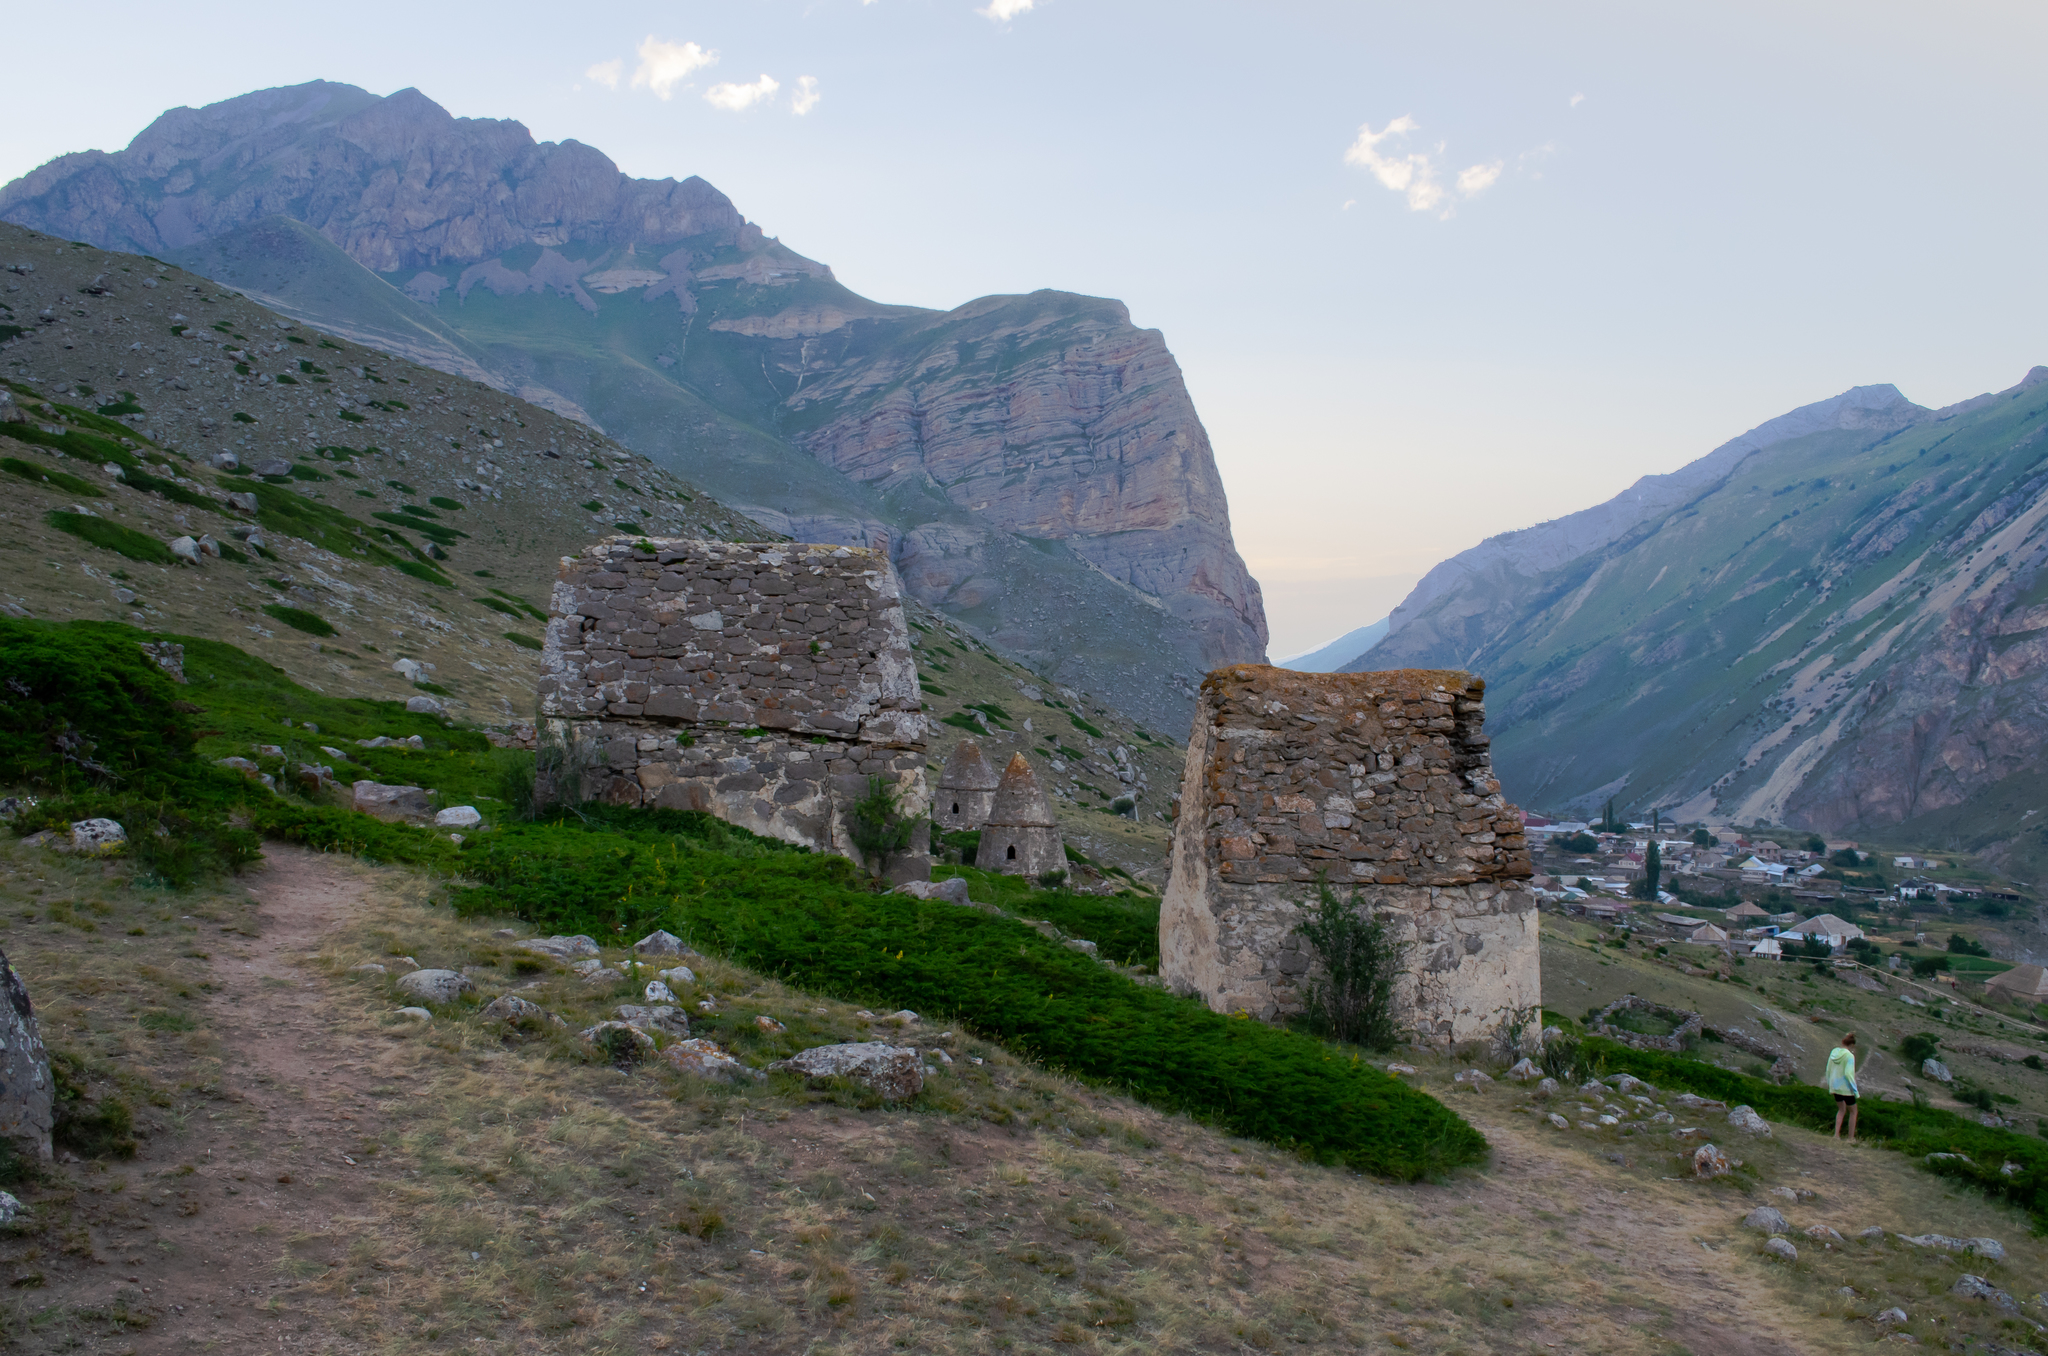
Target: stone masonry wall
1379	784
764	684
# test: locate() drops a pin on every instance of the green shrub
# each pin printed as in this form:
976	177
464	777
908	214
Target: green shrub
312	623
70	484
524	642
442	501
805	918
81	706
1354	1000
1082	725
89	1127
877	825
1918	1047
111	536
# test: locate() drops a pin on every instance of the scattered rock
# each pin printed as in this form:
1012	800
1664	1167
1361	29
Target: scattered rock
658	992
1779	1248
185	549
952	891
425	706
1821	1231
417	1014
1086	948
516	1011
1890	1317
769	1024
392	802
1592	1089
1936	1070
506	934
1784	1193
903	1017
600	974
891	1072
665	1019
366	968
98	837
681	974
561	948
1871	1235
435	986
1663	1118
1977	1288
1766	1218
1988	1248
620	1042
459	817
27	1092
1546	1089
1694	1102
659	943
1559	1121
1525	1069
11	1208
1473	1078
408	669
242	501
1708	1161
1399	1068
1629	1084
1747	1121
700	1058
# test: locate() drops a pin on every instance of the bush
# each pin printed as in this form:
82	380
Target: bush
82	707
1919	1047
1354	1001
809	920
111	536
89	1127
877	825
312	623
70	484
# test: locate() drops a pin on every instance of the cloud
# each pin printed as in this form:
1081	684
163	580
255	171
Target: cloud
1578	99
1414	175
664	65
607	73
733	97
806	97
1002	11
1479	178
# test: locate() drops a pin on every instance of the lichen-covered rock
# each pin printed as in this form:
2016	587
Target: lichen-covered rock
26	1091
952	890
435	986
1977	1288
1708	1161
98	838
1766	1218
516	1011
891	1072
1781	1249
1746	1120
1525	1069
392	802
1378	785
700	1058
659	943
561	948
1936	1070
1988	1248
658	992
620	1042
662	1018
459	817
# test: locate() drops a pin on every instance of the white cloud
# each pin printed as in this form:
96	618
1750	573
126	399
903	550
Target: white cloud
1479	178
1349	203
1578	99
664	65
806	97
607	73
733	97
1002	11
1414	175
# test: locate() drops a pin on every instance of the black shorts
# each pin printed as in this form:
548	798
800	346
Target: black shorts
1845	1099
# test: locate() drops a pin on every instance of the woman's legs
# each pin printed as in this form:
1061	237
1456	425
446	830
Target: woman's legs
1852	1121
1841	1107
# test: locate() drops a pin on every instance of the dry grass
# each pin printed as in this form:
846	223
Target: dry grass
457	1187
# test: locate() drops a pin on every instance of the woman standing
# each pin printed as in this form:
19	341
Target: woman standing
1842	1083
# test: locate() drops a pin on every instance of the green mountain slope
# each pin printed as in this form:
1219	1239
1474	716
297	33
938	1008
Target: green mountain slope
1846	627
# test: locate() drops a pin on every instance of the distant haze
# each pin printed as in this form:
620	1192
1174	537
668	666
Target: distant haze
1433	273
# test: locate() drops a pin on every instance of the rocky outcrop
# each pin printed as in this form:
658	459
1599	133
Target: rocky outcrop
27	1095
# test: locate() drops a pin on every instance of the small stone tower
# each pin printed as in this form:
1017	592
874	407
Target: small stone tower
1020	837
967	788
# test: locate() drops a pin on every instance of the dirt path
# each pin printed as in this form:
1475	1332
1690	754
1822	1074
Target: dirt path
191	1232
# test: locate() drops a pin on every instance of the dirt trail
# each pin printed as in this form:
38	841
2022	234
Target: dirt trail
190	1233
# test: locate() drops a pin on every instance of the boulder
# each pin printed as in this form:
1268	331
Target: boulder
1546	1089
408	669
665	1019
435	986
1694	1102
98	837
769	1025
516	1011
952	891
903	1017
1559	1121
1086	948
620	1042
700	1058
424	706
1708	1161
1874	1234
459	817
1890	1317
1823	1233
1629	1084
1748	1122
1399	1068
185	549
11	1208
560	948
416	1014
1766	1218
681	974
208	546
1977	1288
660	943
891	1072
1474	1079
274	466
392	802
1936	1070
658	992
26	1091
243	502
1780	1248
366	968
1525	1069
1988	1248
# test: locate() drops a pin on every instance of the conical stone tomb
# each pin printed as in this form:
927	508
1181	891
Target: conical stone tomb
967	788
1021	838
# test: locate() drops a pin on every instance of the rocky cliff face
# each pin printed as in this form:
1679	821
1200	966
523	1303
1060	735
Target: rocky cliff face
1843	626
1035	463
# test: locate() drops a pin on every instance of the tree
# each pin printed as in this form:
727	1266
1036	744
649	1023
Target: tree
1608	822
1361	959
1846	858
1701	838
1653	871
876	825
1816	843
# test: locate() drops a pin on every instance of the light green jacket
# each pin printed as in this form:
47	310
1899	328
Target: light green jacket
1842	1071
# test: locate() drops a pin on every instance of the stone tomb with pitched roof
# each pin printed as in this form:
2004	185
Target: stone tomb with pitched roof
1378	785
768	684
1020	837
967	788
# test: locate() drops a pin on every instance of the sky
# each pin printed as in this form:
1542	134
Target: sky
1432	272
